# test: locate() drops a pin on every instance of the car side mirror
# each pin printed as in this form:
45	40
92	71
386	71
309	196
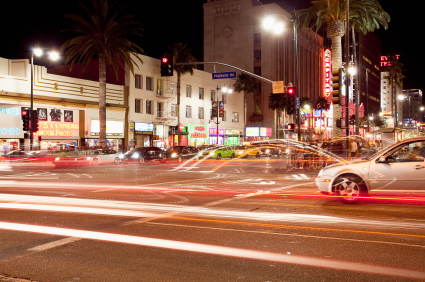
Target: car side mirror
382	159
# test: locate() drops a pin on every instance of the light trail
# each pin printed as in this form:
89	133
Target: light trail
205	211
218	250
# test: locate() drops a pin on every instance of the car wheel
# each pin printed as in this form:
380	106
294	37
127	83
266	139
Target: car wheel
95	161
141	160
180	159
117	161
218	156
257	155
232	156
350	188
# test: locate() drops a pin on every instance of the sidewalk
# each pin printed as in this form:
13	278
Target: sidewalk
5	278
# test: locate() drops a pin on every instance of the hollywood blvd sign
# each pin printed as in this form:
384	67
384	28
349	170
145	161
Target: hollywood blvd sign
328	73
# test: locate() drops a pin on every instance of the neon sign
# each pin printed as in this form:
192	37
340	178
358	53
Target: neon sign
198	135
10	130
213	131
200	128
328	73
385	60
57	129
10	111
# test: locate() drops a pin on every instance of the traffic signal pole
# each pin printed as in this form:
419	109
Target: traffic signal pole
32	101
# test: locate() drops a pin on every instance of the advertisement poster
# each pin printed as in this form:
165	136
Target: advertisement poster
143	128
214	108
252	131
221	109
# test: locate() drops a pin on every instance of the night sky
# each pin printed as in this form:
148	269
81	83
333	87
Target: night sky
165	22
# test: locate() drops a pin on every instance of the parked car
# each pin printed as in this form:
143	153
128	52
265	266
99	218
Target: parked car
246	150
90	157
218	152
179	153
398	168
270	150
143	154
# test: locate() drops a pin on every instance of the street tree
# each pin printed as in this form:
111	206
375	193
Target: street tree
181	54
395	79
248	85
365	13
102	32
322	104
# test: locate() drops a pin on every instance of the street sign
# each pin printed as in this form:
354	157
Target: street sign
297	103
278	87
222	75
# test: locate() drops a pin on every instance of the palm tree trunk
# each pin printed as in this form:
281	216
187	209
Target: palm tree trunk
245	100
335	33
102	101
275	124
178	105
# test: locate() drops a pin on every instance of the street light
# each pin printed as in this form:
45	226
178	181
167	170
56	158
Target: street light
270	23
38	52
422	109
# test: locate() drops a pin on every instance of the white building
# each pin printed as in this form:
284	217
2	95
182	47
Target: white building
153	101
390	103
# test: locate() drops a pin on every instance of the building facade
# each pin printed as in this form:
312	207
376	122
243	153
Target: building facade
412	106
233	34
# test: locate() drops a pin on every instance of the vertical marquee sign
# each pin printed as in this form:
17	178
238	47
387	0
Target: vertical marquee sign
328	73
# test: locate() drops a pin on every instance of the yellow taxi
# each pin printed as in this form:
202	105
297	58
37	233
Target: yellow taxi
243	151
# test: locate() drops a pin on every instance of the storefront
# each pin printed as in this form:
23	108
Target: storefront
178	132
231	137
258	133
213	136
143	134
11	134
197	134
114	135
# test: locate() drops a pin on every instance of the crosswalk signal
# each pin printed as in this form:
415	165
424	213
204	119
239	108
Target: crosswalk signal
290	127
25	115
338	86
35	121
167	65
291	93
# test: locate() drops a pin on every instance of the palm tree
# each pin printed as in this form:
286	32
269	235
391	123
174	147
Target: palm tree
394	78
277	102
247	84
102	33
363	14
321	104
181	54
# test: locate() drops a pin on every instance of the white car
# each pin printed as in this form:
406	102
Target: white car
92	157
398	168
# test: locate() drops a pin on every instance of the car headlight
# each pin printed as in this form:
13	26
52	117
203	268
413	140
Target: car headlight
287	151
57	159
88	158
174	155
200	154
267	151
121	156
135	156
240	152
211	153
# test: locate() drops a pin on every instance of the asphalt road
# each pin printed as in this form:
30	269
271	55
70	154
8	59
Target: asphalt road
228	220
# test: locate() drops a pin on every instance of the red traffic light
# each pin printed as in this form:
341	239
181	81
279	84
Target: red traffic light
24	113
164	60
291	90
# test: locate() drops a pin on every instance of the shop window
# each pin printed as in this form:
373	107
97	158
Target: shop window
224	116
201	113
149	107
188	111
138	81
201	93
188	91
149	83
235	117
138	106
213	96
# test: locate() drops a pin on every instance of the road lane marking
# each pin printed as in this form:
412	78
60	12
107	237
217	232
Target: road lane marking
218	250
104	190
54	244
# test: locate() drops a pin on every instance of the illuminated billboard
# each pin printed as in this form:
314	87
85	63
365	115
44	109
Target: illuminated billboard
252	131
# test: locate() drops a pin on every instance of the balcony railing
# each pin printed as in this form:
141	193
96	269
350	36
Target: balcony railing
164	94
164	115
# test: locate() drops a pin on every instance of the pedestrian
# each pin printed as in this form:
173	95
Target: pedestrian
354	149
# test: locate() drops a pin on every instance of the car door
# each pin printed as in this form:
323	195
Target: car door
403	169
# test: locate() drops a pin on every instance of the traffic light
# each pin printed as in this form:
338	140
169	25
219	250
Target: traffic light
338	86
290	127
291	95
25	115
167	65
34	121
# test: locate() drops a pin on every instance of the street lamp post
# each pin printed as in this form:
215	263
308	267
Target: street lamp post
224	89
38	52
270	23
